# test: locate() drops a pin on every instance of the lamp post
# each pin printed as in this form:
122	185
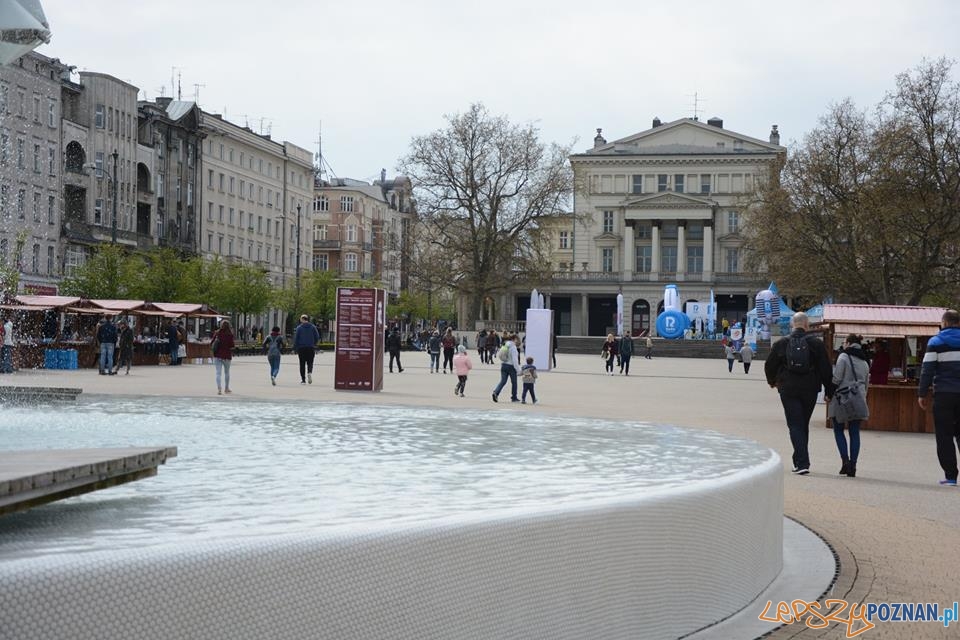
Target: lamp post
113	224
298	248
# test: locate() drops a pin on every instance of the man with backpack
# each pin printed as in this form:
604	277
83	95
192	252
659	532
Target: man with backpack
509	357
797	367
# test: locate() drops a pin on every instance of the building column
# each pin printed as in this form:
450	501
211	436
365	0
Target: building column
584	314
655	251
629	247
708	251
681	250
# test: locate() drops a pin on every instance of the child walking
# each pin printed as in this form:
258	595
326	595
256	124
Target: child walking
529	373
461	366
273	345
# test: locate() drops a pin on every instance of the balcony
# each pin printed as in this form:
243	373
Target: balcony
326	244
586	276
664	277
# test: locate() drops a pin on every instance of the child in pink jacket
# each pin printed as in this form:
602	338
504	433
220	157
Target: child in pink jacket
461	366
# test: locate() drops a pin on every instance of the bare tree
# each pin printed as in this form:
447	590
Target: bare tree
866	209
482	183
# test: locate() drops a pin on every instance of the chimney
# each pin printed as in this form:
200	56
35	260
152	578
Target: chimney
383	176
656	122
715	122
599	141
774	135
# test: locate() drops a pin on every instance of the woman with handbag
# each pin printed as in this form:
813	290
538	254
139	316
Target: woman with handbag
222	348
849	403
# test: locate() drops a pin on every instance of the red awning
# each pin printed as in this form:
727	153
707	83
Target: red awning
47	301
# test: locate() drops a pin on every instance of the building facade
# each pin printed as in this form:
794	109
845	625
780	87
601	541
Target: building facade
30	170
359	229
255	202
663	206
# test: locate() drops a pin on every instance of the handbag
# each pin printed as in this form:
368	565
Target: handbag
182	351
849	403
215	345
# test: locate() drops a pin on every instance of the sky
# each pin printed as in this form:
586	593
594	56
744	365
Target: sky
371	75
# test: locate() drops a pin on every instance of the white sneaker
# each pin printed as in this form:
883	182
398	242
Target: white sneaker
273	380
309	378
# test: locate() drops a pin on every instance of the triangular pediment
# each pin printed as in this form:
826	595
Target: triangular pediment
684	137
666	199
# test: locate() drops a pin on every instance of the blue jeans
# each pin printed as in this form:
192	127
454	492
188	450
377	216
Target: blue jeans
798	409
854	428
274	365
6	359
220	363
434	362
106	357
507	371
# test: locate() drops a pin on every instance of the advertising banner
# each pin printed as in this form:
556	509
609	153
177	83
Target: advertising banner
361	314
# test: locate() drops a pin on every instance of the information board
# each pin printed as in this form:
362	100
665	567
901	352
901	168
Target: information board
361	314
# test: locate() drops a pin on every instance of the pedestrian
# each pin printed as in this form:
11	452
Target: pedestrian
529	372
125	347
173	343
494	342
393	348
482	345
850	376
305	339
798	366
222	349
730	355
649	354
273	346
107	337
434	346
6	353
746	357
553	352
941	369
608	353
509	356
449	343
461	366
626	352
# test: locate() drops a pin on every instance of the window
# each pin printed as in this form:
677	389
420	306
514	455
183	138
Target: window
608	221
52	161
241	158
704	183
250	197
209	242
350	262
733	221
178	189
4	99
36	207
320	232
678	183
321	262
240	220
662	179
351	233
51	113
346	204
668	229
231	154
210	211
321	204
230	218
21	203
230	247
259	195
50	261
222	177
4	250
694	230
98	211
277	231
606	260
564	239
189	194
4	199
36	108
733	260
243	189
220	245
98	164
220	213
637	183
221	152
35	265
668	258
20	159
644	258
36	158
4	148
209	178
270	198
694	259
642	230
21	99
231	184
51	210
109	118
190	155
260	224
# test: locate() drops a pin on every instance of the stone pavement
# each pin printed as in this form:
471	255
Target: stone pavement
895	529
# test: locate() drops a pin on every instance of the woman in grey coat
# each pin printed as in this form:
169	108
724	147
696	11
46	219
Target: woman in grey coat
852	368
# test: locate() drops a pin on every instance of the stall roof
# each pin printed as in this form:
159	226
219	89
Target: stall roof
180	308
47	301
883	321
25	307
118	305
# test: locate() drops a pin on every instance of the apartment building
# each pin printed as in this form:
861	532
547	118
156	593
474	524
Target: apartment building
30	171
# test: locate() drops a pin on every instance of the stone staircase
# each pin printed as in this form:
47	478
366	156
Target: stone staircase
662	348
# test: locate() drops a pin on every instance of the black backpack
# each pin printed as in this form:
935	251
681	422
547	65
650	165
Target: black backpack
798	354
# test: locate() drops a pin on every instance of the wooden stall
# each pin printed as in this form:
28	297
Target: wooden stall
896	338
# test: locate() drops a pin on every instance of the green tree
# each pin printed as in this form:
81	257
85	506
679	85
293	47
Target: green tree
867	208
158	276
204	281
482	183
247	290
101	277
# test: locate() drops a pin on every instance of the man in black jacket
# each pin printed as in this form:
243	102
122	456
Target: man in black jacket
393	348
797	367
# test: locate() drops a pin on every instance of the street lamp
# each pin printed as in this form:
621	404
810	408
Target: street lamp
298	248
113	181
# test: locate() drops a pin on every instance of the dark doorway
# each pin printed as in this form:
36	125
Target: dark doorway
562	315
640	317
731	307
602	317
143	219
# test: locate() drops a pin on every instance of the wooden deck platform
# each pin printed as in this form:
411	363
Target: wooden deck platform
36	395
31	478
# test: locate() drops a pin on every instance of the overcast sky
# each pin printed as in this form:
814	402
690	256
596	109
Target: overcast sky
377	73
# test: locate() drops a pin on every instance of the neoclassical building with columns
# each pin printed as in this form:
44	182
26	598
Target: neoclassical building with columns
663	206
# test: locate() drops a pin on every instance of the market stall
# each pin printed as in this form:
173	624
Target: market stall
896	338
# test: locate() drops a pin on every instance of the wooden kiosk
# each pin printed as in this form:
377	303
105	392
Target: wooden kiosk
902	332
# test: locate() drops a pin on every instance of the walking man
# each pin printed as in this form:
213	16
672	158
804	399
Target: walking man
797	367
393	347
941	368
509	355
305	338
626	352
107	337
746	357
649	354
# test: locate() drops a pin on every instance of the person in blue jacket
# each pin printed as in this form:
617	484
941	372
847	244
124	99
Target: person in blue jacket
305	339
941	369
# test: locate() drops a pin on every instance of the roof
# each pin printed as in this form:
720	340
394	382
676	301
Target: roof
179	108
118	305
617	147
883	320
47	301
